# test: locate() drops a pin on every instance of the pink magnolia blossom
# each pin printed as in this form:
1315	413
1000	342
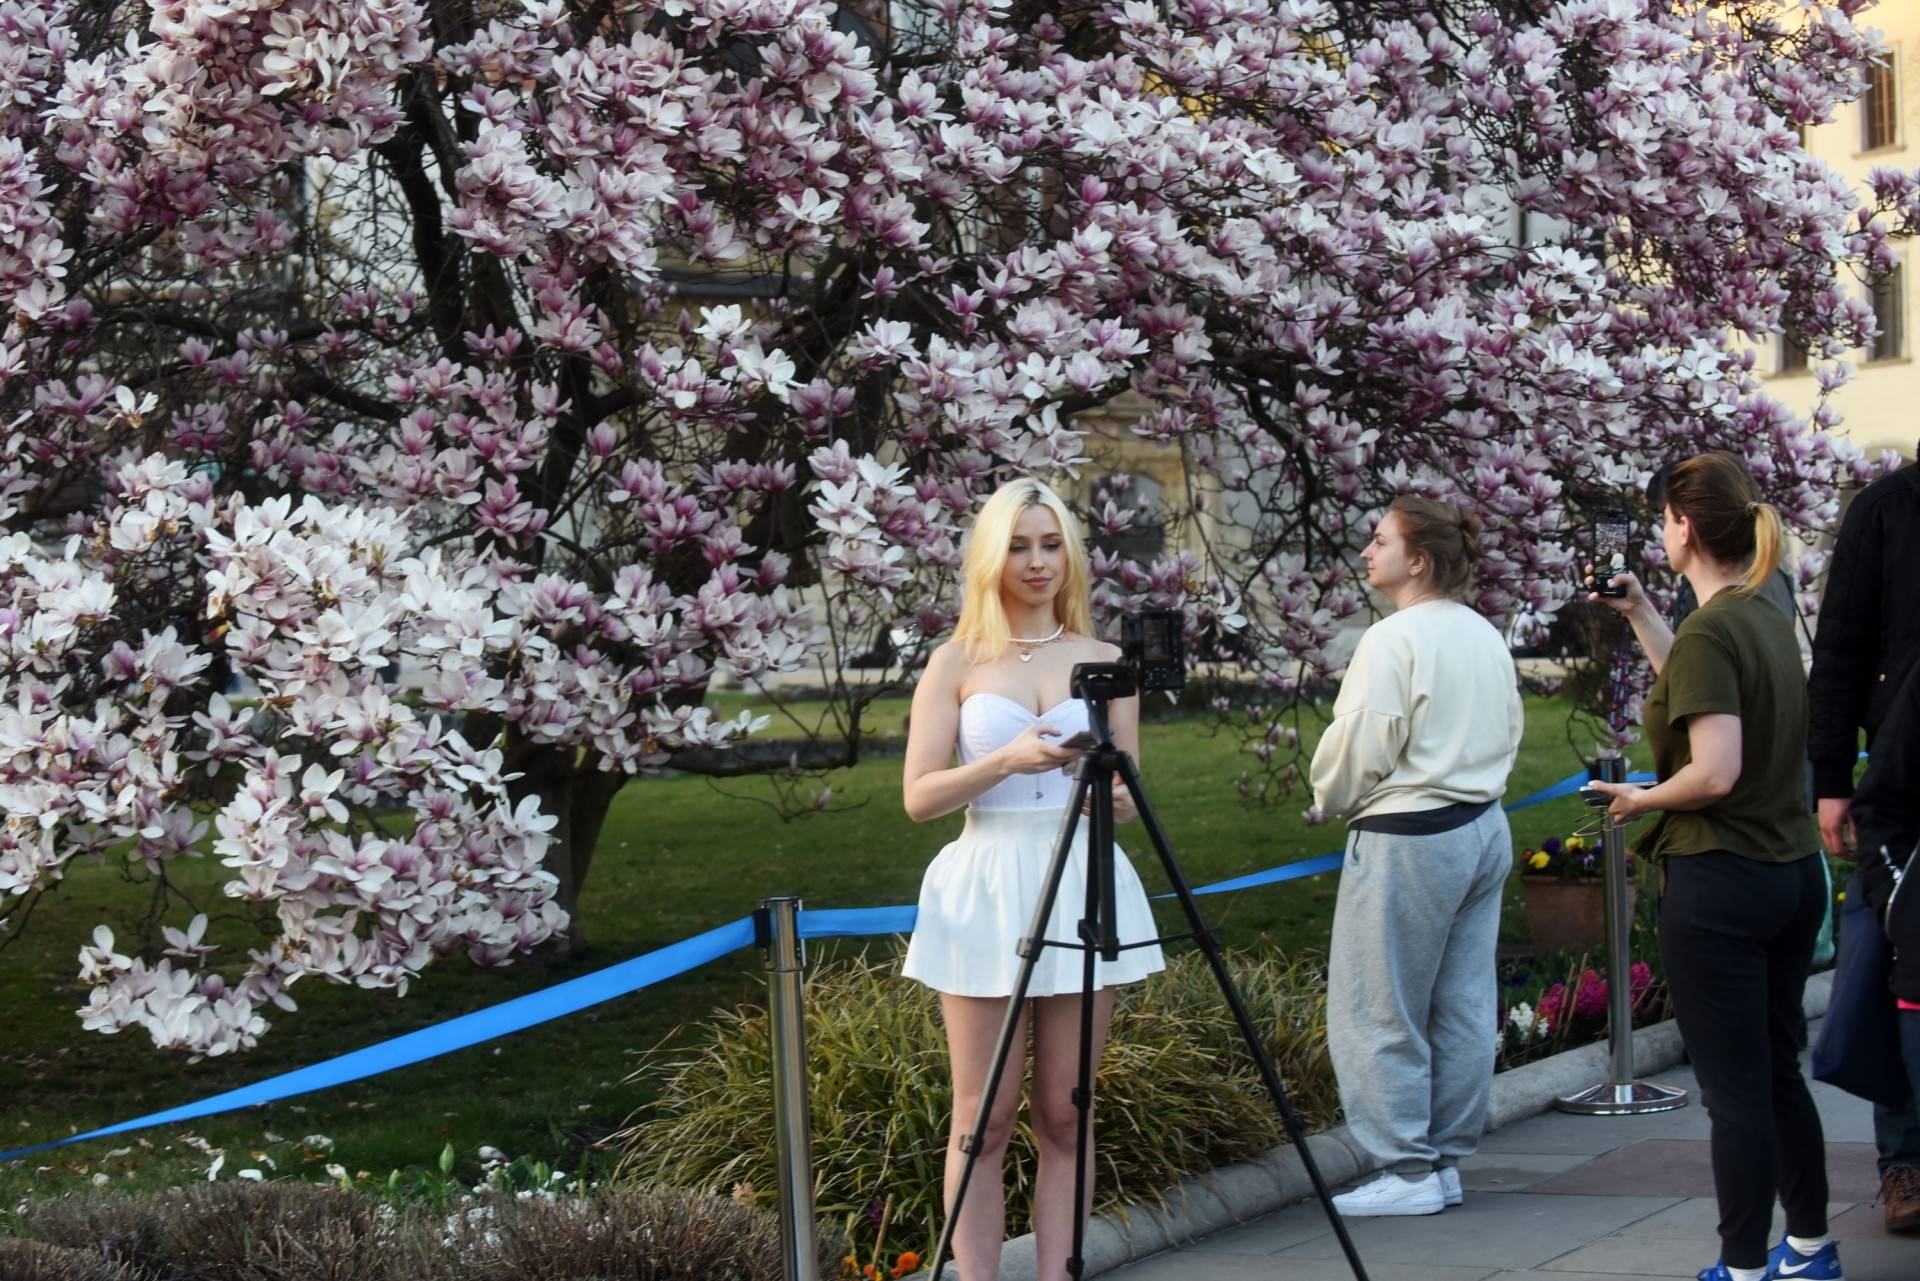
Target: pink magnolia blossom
476	383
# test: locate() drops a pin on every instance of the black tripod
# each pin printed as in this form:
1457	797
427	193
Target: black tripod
1098	684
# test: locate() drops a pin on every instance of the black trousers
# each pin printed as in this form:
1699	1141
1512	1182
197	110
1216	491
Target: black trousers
1737	937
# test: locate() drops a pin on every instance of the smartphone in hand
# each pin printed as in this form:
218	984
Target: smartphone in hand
1078	742
1612	532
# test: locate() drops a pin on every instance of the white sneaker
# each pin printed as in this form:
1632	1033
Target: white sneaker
1391	1194
1450	1184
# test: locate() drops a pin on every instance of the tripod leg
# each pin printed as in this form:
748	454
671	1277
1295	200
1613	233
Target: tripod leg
1009	1028
1210	945
1095	927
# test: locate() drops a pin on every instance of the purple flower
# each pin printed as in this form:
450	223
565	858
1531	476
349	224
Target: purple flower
1591	1000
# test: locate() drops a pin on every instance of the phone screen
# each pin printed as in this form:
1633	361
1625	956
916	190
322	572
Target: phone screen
1612	534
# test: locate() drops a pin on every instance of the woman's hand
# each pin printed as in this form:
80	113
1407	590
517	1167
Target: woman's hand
1629	800
1031	753
1124	810
1651	630
1634	600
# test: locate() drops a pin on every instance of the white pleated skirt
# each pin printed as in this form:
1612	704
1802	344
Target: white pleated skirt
978	898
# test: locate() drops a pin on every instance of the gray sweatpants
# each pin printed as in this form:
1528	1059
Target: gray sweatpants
1411	991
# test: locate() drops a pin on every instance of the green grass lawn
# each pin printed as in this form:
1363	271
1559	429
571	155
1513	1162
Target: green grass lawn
678	857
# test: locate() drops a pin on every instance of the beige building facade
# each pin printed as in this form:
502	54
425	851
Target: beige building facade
1879	406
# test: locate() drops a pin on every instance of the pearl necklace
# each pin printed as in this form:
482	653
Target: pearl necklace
1030	643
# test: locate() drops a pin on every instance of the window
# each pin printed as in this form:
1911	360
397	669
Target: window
1146	538
1793	354
1879	108
1888	292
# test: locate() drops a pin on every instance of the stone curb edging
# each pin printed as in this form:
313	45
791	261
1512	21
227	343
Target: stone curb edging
1230	1196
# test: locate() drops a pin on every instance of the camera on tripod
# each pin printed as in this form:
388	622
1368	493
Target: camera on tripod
1152	657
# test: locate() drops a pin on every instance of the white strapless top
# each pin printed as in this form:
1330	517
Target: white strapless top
989	722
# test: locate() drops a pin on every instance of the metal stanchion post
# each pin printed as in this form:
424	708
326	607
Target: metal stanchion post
1620	1094
777	924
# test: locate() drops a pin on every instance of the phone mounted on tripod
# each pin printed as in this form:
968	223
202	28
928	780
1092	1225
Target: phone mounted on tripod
1153	657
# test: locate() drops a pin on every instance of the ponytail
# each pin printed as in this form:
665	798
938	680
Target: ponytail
1769	546
1732	520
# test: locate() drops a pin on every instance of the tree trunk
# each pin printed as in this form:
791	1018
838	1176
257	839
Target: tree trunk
579	795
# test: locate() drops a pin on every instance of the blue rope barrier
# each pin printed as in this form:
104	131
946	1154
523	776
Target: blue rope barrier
1331	862
628	976
1567	787
853	922
455	1034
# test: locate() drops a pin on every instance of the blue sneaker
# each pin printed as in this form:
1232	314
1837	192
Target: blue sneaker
1787	1264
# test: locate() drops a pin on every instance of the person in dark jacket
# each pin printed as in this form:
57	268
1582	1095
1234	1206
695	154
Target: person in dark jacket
1868	638
1866	643
1886	814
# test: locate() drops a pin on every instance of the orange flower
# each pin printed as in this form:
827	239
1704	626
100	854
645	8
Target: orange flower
909	1260
870	1271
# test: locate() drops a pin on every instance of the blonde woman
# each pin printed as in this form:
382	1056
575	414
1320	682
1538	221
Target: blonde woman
996	697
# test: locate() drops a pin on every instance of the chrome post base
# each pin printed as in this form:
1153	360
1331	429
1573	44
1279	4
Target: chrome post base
1623	1098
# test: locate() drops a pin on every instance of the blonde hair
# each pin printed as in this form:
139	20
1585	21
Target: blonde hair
982	632
1730	518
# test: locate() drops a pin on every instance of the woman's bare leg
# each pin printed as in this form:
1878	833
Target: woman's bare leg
1056	1122
973	1026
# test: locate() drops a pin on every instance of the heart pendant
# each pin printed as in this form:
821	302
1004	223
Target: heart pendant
1026	656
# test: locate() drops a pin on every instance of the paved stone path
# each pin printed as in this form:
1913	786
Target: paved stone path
1561	1198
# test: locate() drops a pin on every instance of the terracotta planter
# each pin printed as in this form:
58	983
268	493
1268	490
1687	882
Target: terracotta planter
1566	913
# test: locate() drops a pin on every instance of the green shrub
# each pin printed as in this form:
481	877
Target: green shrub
1177	1091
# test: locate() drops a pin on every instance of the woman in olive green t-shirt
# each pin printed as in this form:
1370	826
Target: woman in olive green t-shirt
1743	890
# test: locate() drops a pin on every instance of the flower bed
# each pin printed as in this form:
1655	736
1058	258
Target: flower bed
1559	1001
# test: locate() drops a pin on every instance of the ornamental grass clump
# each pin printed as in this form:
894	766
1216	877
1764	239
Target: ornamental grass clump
282	1231
1177	1095
639	1234
303	1232
38	1261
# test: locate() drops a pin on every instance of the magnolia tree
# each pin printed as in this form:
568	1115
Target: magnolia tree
373	358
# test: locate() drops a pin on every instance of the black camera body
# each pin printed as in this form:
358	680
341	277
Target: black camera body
1152	657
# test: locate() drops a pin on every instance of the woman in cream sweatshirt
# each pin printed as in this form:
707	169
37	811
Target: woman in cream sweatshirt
1424	734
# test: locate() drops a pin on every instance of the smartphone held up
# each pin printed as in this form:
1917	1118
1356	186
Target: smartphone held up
1612	535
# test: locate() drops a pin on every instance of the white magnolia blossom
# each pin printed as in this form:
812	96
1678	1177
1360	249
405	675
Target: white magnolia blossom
315	603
